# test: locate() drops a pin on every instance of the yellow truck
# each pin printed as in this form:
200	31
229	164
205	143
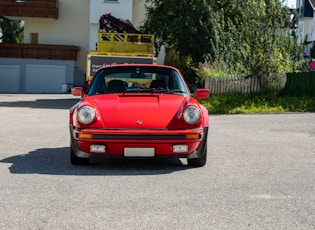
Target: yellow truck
118	42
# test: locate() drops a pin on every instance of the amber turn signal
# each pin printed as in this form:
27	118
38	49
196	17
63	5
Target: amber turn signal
192	136
85	136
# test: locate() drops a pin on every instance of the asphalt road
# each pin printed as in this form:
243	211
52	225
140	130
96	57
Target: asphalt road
260	175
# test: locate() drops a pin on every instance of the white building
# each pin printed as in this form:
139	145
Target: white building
57	37
306	26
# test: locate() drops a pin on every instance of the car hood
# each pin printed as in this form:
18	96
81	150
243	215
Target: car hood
138	111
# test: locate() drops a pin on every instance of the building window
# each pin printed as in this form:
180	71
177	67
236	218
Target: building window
110	0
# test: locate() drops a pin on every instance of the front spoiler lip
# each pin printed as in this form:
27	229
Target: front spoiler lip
196	154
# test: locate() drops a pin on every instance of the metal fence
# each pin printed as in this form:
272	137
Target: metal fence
234	84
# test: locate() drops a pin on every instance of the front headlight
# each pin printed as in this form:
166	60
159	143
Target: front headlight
86	114
191	114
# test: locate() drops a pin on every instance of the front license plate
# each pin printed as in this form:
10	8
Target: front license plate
139	152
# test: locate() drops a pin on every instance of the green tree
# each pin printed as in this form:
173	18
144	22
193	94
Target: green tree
12	30
269	41
247	37
182	25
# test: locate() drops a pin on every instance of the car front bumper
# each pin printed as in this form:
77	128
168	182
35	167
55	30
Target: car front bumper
114	143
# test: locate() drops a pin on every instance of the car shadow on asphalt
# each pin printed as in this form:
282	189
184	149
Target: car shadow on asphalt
58	103
56	161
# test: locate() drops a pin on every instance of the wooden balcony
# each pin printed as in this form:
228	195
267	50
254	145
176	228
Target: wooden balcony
38	51
30	8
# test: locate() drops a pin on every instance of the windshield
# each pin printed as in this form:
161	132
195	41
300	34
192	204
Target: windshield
135	79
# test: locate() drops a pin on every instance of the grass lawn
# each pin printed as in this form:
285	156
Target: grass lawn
269	102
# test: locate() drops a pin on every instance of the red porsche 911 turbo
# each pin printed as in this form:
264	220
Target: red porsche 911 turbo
138	111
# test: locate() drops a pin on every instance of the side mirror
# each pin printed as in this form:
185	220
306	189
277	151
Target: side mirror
77	91
202	93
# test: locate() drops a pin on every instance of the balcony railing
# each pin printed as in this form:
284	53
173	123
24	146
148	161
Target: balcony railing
38	51
30	8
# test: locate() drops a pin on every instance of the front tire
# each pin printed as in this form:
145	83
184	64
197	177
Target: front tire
77	160
198	162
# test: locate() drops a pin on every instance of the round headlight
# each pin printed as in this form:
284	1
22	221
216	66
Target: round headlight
86	114
191	114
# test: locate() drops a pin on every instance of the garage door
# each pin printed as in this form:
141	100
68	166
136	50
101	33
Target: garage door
44	78
10	78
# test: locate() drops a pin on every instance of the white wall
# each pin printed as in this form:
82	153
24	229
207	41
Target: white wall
120	9
71	28
300	32
311	36
305	29
138	13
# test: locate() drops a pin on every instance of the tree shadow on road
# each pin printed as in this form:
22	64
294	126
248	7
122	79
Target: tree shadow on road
56	161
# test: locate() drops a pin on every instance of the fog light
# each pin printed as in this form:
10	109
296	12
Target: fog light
180	148
97	148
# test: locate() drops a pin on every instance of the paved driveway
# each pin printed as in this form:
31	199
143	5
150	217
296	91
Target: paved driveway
260	175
